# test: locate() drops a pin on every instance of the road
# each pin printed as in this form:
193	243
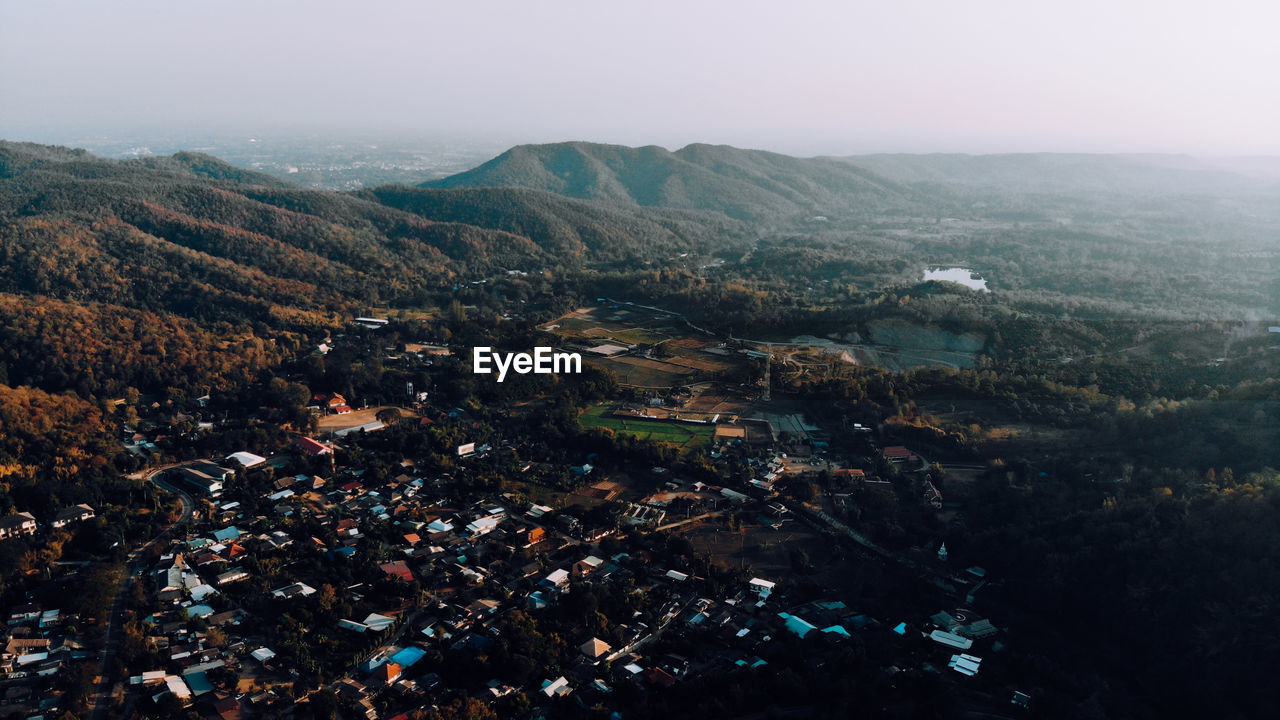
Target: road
100	702
940	580
688	521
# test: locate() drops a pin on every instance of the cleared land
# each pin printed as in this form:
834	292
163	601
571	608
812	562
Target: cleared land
668	432
644	372
332	423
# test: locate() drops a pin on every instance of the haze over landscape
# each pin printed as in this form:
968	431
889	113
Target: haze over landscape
910	360
803	78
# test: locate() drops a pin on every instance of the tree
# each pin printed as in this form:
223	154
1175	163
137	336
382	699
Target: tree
462	709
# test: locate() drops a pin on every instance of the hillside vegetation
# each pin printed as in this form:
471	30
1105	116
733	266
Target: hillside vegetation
744	184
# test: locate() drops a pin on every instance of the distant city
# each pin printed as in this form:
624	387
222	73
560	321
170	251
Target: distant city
334	161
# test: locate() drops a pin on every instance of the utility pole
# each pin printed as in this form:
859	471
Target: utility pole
768	383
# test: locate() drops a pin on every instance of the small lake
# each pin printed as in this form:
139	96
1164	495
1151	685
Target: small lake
964	276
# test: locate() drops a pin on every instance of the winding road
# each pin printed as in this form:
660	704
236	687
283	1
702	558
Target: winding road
100	700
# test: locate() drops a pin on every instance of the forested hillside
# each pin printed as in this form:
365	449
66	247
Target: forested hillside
191	235
574	230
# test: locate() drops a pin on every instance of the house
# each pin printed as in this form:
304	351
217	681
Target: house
533	536
23	523
761	588
294	590
247	459
898	454
557	687
198	480
483	526
176	686
212	469
978	629
958	642
227	708
965	664
387	673
313	447
587	565
659	677
398	570
73	514
169	579
594	648
330	400
232	575
849	475
557	579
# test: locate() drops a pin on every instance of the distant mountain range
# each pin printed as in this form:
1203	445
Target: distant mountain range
749	185
1077	173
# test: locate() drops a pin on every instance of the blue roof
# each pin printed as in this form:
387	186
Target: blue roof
838	630
199	611
901	629
227	533
198	682
408	656
345	551
797	625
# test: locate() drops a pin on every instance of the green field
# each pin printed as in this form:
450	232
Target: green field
658	431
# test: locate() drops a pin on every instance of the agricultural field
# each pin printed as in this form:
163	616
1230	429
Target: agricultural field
679	360
657	430
629	326
643	372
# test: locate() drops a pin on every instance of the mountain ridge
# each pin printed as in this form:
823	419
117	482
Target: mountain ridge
748	185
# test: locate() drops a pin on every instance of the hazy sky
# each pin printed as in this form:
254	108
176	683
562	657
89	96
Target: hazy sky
792	75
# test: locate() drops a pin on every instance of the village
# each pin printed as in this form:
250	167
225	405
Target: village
356	568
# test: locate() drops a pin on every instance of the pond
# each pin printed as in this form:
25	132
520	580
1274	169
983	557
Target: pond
964	276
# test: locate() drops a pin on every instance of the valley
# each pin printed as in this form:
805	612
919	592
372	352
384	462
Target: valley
786	421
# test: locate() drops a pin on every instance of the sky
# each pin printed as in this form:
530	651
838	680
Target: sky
796	76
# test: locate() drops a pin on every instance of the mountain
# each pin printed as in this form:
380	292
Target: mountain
105	262
192	235
750	185
572	229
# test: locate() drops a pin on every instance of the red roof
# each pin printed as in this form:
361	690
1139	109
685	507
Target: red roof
388	672
412	538
398	570
342	409
313	447
896	451
658	676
